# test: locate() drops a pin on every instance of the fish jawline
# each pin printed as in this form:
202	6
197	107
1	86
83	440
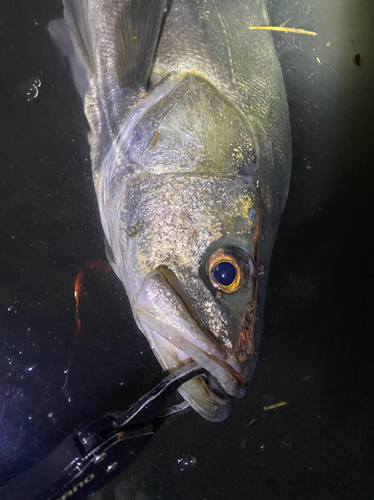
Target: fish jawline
166	316
210	403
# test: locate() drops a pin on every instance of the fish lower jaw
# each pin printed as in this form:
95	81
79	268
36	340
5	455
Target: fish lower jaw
207	394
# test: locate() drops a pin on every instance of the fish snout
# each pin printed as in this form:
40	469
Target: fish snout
177	335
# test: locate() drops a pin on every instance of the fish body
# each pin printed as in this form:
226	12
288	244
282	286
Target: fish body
191	154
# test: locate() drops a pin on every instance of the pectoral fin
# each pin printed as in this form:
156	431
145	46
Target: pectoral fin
136	34
114	39
60	34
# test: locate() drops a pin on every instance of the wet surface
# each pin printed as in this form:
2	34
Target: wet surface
317	344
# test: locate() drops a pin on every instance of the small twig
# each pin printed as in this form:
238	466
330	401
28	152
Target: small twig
285	29
251	422
155	140
285	22
276	405
135	231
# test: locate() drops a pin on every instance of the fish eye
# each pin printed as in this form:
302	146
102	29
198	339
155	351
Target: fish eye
224	271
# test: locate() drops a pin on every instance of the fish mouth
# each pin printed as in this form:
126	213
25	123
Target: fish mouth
178	337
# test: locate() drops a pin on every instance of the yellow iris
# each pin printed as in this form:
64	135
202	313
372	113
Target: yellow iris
217	258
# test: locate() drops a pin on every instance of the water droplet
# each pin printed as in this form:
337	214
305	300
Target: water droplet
66	371
187	461
111	467
100	458
32	91
10	308
50	415
262	447
30	368
261	270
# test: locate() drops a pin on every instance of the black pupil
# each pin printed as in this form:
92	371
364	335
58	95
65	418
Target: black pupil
224	273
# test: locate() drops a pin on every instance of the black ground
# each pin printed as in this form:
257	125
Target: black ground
317	350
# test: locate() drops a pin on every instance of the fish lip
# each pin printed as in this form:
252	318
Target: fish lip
177	287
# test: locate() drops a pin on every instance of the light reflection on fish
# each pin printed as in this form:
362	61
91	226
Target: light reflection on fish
191	152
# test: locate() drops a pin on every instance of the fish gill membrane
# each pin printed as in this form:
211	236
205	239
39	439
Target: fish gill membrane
191	158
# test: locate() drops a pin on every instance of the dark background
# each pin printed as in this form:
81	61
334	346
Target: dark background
317	350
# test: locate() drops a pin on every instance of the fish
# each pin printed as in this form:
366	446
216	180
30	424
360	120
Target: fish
190	147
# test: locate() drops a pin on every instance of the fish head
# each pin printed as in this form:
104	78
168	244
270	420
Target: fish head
191	276
184	228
